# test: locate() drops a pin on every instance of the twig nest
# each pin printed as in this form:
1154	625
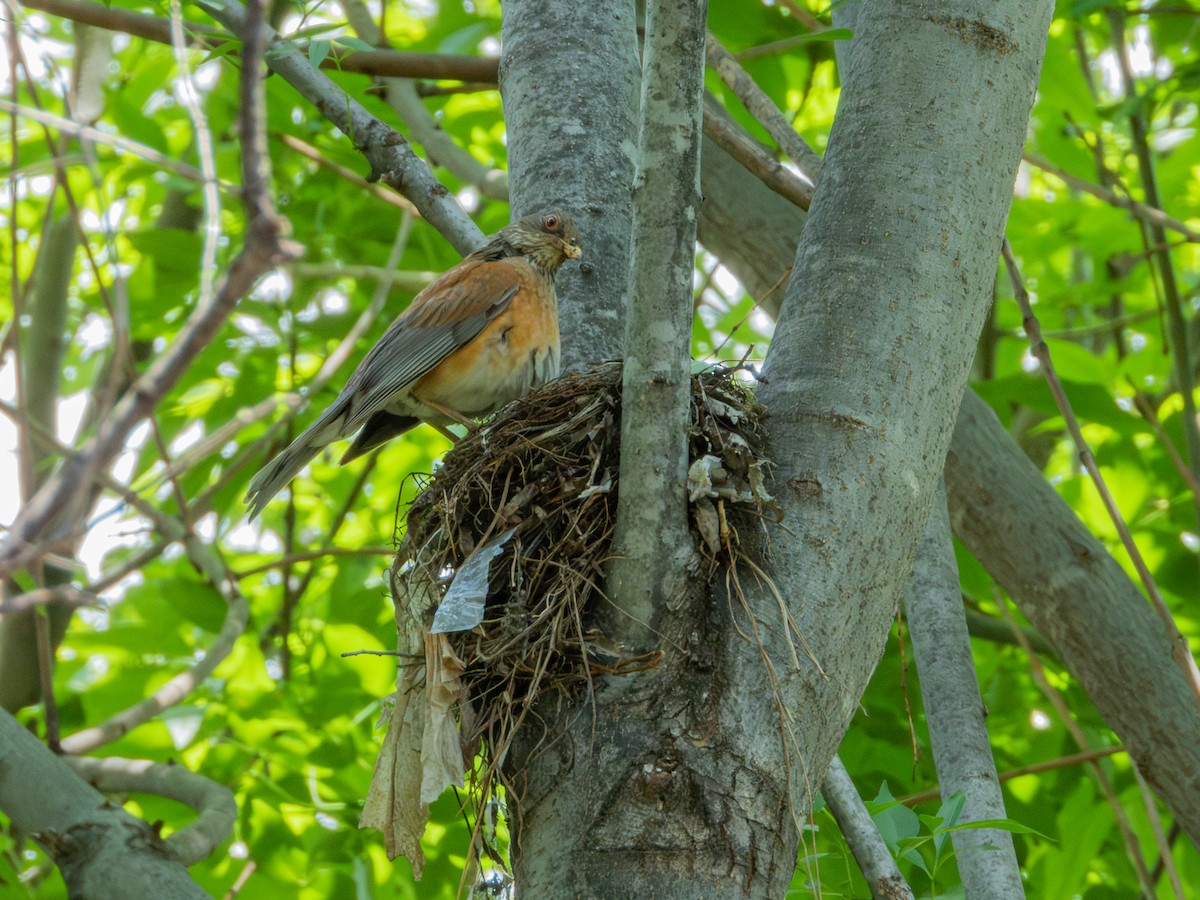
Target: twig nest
503	562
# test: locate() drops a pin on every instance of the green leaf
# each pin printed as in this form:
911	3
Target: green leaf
354	43
317	51
1011	825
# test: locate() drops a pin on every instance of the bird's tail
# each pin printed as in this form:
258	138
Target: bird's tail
283	468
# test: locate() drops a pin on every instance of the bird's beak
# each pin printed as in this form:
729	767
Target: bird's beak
573	251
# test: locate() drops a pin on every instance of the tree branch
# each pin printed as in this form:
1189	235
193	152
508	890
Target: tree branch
954	713
1089	610
868	847
214	802
874	342
237	614
389	154
401	95
377	62
1181	652
730	137
101	849
763	108
647	575
1161	255
1148	214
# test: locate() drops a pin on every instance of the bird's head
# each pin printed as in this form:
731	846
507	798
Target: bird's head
546	239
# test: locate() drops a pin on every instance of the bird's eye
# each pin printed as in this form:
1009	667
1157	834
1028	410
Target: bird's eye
551	222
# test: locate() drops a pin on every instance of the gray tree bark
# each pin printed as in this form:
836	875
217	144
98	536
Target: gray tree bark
569	76
891	285
869	848
647	575
1073	591
954	712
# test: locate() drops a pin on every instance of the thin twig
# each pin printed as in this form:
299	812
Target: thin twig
189	95
1145	406
307	556
1172	299
803	16
1165	860
763	108
408	281
25	473
1149	214
722	131
377	62
1179	646
308	150
1049	765
45	662
784	45
60	595
117	142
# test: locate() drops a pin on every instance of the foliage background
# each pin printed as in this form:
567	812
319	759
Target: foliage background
288	722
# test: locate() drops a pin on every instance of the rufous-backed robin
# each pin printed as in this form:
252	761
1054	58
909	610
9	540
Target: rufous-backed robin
481	335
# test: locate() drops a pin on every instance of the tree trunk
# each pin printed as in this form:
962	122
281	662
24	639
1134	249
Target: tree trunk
569	76
1019	533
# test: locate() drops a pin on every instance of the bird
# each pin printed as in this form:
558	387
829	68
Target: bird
481	335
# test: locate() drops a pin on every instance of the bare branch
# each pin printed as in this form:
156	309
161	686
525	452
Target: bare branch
954	712
859	830
402	96
1180	651
731	138
61	594
379	62
389	154
214	802
96	844
1091	612
1149	214
189	95
387	196
117	142
1132	846
1049	765
237	614
763	108
1172	299
647	575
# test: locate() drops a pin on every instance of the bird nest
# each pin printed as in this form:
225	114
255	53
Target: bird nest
500	574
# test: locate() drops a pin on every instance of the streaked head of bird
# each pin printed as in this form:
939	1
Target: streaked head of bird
547	239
